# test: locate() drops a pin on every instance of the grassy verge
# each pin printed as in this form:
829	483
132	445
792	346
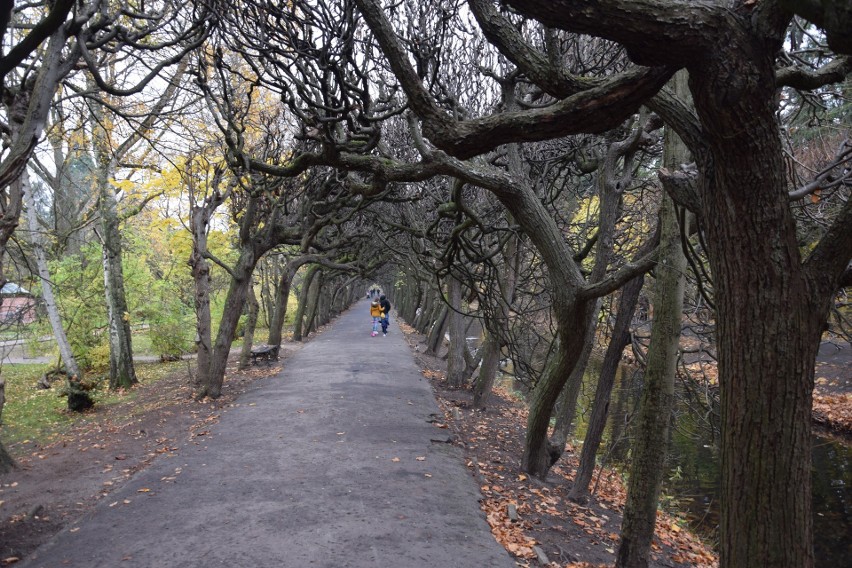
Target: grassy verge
41	416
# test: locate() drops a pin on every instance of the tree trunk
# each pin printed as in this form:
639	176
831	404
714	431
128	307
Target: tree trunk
251	324
487	371
652	439
53	316
456	363
28	109
492	345
567	403
11	212
122	370
597	420
78	399
201	278
619	443
425	307
768	322
241	278
651	444
122	373
299	323
268	291
436	335
314	301
279	313
613	175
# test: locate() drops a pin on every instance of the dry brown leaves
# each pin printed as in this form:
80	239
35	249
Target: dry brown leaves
511	534
432	375
504	485
834	410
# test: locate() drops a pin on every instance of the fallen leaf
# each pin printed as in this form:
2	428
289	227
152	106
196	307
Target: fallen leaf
394	459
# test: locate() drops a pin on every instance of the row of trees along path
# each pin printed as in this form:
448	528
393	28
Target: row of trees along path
528	162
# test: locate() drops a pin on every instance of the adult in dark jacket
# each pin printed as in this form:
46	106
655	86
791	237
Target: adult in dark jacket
386	307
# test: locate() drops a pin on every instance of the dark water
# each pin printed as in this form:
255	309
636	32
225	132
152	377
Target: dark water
696	487
692	482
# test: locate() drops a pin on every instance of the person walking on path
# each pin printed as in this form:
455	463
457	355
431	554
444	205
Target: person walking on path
386	307
376	314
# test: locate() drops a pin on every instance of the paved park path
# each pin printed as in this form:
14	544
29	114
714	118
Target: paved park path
330	463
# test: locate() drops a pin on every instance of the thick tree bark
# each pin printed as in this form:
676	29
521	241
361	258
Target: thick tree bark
612	178
619	444
769	309
428	312
566	404
767	328
455	362
210	363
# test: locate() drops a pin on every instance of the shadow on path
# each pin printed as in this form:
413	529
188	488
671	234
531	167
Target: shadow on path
331	463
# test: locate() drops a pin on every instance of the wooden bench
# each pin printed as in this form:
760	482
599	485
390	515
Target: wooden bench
266	353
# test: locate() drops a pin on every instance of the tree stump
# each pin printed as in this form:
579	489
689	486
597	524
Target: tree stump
79	398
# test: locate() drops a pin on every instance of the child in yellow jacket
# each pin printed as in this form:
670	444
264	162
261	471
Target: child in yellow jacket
377	314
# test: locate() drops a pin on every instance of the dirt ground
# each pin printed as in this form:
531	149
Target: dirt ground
550	530
57	484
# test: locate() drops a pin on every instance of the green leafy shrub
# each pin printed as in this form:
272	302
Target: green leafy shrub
169	336
96	357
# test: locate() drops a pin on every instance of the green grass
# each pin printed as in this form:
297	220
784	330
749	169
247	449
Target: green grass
142	343
31	414
37	415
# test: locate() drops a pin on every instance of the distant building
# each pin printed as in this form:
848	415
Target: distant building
18	304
